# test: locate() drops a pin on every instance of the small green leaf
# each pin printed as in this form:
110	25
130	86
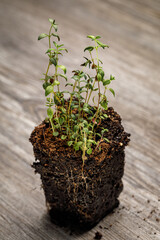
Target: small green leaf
55	27
106	82
90	48
104	104
42	35
101	72
95	89
50	112
63	137
51	20
55	134
69	84
99	77
63	68
86	110
112	91
45	85
104	130
105	115
91	141
89	151
48	90
61	49
50	49
77	145
106	139
97	37
53	61
101	44
63	110
91	37
61	120
112	78
57	36
64	76
56	83
70	143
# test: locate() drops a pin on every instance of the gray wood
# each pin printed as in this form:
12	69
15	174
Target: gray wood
131	28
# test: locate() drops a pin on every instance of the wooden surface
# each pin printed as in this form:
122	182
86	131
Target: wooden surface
131	28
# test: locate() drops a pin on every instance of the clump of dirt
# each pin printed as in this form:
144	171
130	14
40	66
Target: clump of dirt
74	197
98	236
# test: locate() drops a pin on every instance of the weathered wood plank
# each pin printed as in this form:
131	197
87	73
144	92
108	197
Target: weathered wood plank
132	31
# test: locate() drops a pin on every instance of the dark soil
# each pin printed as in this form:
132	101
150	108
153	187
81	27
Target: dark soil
72	197
98	236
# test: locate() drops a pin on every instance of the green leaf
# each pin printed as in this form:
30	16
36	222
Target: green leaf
105	115
91	37
48	90
70	143
98	134
63	137
99	77
50	49
61	49
55	27
61	120
63	68
106	82
64	76
101	72
77	145
106	139
65	91
101	44
86	130
86	110
89	151
57	36
91	141
50	112
104	104
112	78
42	35
51	20
95	89
112	91
97	37
63	110
104	130
69	84
55	134
90	48
53	61
55	44
56	83
45	85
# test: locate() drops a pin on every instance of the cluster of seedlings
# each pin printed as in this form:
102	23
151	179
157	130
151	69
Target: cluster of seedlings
75	120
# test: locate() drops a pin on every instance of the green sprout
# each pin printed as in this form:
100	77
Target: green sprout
75	120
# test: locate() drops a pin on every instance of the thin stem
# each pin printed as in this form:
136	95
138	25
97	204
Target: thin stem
97	54
49	38
69	107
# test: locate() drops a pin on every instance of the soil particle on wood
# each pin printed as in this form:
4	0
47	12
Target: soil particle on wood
73	197
98	235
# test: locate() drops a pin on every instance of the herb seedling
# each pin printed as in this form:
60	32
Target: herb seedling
75	120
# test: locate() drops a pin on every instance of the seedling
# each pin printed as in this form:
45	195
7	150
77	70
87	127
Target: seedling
75	120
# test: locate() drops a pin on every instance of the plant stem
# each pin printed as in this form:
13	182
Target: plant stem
49	38
69	107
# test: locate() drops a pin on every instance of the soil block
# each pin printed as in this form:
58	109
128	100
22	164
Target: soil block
74	197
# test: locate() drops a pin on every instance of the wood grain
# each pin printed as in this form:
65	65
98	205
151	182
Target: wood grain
131	28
